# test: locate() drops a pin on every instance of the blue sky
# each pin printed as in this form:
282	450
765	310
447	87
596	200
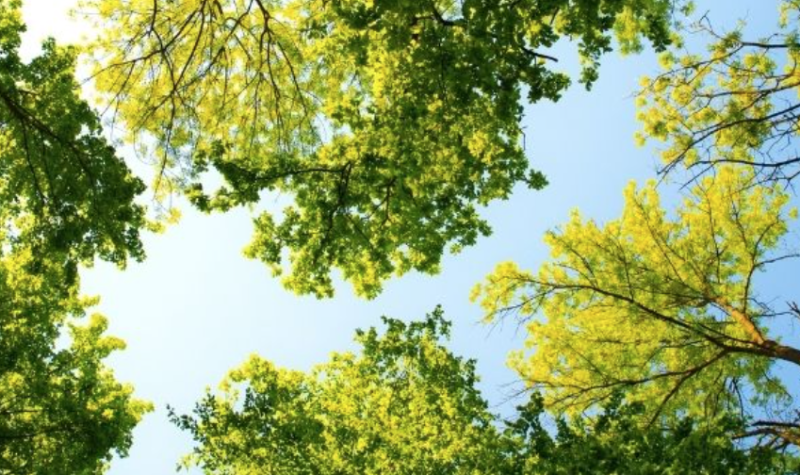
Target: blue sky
196	307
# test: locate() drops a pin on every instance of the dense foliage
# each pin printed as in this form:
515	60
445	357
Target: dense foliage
57	168
65	199
61	410
663	307
614	441
387	122
404	404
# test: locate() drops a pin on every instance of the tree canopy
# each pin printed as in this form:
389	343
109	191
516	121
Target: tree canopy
61	410
57	169
614	441
735	104
387	122
665	307
651	347
666	304
405	404
65	199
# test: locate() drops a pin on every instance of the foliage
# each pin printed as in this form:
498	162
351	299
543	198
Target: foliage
388	122
61	410
404	405
736	104
56	166
662	307
614	442
65	198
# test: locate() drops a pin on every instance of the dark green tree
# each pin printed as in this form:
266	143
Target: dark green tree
403	405
614	441
66	198
61	410
57	169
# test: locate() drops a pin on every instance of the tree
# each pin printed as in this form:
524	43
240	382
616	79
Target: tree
61	410
57	169
737	104
403	405
387	122
65	199
614	442
665	308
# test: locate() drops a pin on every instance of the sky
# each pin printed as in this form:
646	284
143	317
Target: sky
196	308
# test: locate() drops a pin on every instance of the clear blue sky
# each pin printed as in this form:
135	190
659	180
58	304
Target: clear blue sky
196	307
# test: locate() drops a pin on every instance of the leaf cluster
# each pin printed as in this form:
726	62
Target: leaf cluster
66	198
661	307
736	103
405	404
388	123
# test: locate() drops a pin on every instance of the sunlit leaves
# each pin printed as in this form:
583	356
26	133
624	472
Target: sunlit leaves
65	199
737	103
660	306
403	404
614	441
388	123
61	410
56	167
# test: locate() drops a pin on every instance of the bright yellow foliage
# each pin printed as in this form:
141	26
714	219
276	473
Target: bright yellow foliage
735	104
660	307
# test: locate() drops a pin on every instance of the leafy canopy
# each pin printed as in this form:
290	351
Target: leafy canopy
738	103
662	307
65	199
57	168
613	441
404	404
61	410
387	122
